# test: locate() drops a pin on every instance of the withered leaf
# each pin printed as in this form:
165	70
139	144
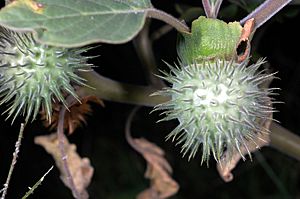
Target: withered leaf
75	117
80	168
158	171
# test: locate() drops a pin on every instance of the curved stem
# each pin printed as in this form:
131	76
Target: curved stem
61	139
265	11
143	47
167	18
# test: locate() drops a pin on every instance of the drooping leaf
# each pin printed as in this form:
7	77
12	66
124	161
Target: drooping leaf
72	23
80	168
75	117
158	171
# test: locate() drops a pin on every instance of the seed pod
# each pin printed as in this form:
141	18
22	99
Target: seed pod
34	75
218	105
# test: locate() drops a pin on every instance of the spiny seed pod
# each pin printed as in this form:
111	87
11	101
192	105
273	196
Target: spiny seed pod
219	106
33	75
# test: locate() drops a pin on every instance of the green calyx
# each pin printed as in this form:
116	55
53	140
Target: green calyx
210	39
34	75
219	106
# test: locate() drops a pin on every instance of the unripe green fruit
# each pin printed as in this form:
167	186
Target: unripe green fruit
34	75
218	104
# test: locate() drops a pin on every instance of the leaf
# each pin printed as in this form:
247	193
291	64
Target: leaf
75	117
80	168
158	171
158	168
71	23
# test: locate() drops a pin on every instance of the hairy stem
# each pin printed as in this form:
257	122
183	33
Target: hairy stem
108	89
265	11
14	161
143	47
167	18
211	7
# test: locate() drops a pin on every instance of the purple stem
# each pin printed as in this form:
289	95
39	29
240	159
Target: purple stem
180	26
211	7
61	140
265	11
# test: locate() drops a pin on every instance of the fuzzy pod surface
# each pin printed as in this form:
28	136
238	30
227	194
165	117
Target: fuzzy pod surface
33	75
218	102
219	106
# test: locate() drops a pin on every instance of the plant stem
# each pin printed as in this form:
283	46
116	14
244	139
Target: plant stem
143	47
14	160
169	19
111	90
38	183
285	141
265	11
211	7
272	175
61	138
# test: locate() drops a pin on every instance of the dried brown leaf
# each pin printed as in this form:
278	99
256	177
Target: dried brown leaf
158	171
245	37
75	117
80	168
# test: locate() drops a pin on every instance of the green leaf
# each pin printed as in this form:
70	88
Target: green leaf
71	23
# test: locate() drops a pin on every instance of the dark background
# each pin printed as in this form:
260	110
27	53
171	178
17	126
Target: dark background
119	170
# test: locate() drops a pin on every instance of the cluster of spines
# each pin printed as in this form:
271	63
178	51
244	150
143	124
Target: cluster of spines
34	75
217	127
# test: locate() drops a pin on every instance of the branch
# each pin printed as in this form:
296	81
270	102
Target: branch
211	7
167	18
111	90
143	47
61	138
35	186
285	141
265	11
14	161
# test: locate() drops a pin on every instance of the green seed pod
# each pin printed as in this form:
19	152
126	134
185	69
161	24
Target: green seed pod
219	106
33	75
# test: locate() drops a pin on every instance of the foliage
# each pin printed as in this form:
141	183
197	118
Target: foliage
57	22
